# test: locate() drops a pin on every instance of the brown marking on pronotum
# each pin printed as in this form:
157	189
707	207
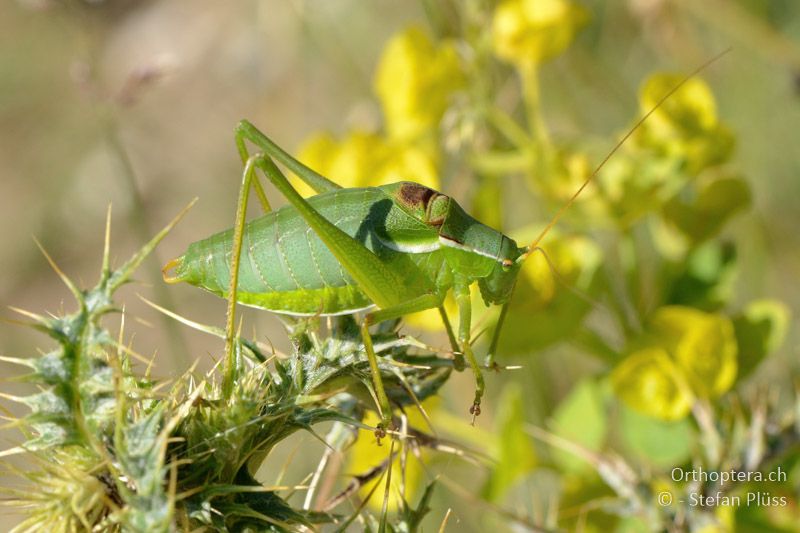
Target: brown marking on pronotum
414	194
436	222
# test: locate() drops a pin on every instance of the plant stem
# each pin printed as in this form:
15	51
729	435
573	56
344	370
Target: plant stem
531	95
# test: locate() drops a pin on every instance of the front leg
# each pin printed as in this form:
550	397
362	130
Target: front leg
464	302
490	362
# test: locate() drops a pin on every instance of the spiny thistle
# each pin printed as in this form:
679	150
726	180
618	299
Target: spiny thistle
80	419
108	452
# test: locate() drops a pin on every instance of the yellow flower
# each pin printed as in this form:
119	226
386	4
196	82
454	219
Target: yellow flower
364	159
681	138
686	124
533	31
651	383
366	454
692	353
692	108
414	82
703	345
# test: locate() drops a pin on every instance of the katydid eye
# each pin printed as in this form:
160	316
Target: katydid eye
507	264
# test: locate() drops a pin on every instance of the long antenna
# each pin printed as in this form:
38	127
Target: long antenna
535	243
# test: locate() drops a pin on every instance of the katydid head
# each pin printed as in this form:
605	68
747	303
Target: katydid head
496	288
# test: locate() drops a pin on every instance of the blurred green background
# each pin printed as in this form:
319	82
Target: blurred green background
133	104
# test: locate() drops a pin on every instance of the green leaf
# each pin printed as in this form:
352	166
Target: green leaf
760	329
703	216
706	279
580	418
410	519
514	451
659	443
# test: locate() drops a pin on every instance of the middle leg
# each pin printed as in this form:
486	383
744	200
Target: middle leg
420	303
